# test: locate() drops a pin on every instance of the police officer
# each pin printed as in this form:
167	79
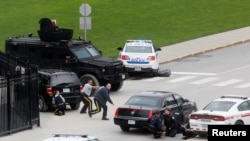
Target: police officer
87	89
187	132
170	123
155	125
59	101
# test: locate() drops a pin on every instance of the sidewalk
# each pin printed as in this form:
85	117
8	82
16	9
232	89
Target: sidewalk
204	44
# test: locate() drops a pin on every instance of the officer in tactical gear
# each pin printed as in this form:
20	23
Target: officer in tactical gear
170	123
155	125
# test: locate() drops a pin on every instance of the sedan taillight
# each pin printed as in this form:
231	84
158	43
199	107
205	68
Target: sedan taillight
150	113
117	112
49	90
151	58
212	117
81	88
125	57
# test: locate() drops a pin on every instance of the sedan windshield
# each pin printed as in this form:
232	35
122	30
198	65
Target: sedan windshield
219	106
144	101
85	51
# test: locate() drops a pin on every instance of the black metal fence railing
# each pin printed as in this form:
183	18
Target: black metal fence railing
18	95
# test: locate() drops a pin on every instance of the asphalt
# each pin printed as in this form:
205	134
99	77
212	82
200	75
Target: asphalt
204	44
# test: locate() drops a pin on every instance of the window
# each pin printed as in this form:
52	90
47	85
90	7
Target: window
170	101
179	99
144	101
219	106
138	49
244	106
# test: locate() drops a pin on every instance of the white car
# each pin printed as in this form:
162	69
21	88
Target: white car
140	56
71	137
227	110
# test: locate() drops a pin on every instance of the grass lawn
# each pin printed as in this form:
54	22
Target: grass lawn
114	21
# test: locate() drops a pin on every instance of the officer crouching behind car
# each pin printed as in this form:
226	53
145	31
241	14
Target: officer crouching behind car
170	123
155	125
59	101
187	132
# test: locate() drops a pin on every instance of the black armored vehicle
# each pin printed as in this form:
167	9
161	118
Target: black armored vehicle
55	49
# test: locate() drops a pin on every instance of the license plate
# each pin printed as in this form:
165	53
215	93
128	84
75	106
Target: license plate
66	90
137	68
205	120
204	125
131	122
123	76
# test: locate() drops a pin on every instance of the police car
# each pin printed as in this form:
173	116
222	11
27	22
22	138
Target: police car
140	56
226	110
71	137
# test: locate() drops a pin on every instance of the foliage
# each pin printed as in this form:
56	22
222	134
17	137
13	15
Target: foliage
113	22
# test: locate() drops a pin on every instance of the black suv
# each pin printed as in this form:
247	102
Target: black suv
56	49
66	82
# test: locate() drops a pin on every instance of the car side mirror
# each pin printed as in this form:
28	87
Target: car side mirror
100	52
70	60
158	49
120	48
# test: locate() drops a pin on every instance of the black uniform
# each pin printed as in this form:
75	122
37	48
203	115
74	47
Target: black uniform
171	125
60	104
187	133
155	126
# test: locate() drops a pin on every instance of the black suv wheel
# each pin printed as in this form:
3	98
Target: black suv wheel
43	106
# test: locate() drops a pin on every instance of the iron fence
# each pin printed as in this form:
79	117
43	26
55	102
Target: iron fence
18	95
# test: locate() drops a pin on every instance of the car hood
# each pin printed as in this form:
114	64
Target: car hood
102	61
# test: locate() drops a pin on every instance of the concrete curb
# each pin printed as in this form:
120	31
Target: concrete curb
205	44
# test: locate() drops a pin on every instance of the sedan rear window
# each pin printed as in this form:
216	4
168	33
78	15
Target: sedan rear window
64	78
138	49
144	101
219	106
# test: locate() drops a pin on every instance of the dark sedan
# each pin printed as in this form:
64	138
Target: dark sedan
139	108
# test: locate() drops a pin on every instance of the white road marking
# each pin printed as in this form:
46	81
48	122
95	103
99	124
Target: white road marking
246	85
181	79
154	79
205	80
229	82
194	73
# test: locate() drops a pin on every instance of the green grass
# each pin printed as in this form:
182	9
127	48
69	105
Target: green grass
114	21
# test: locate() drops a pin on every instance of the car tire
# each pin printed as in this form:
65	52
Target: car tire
202	135
116	86
124	128
155	72
74	106
239	123
43	106
84	79
165	73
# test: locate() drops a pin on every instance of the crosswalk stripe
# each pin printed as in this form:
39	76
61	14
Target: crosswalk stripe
229	82
154	79
181	79
205	80
194	73
243	85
